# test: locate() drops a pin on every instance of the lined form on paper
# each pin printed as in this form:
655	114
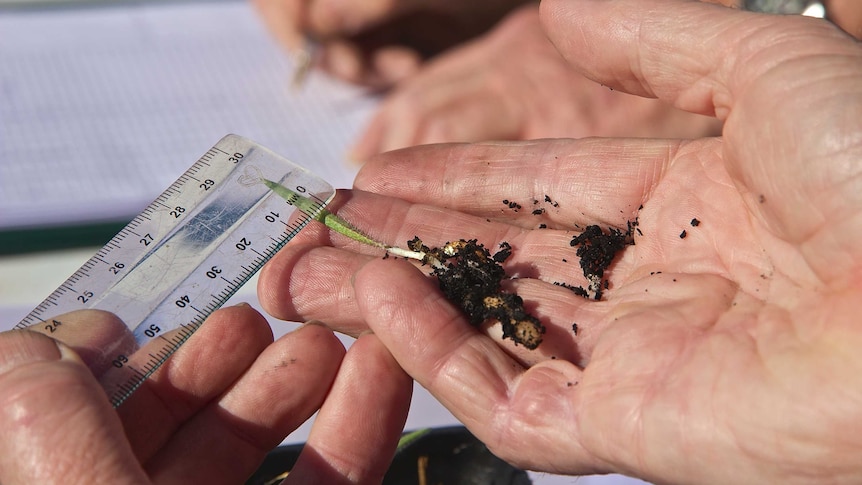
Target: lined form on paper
103	106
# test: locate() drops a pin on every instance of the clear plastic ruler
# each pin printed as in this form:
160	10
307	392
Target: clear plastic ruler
178	261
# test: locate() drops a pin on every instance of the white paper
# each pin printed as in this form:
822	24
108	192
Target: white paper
102	107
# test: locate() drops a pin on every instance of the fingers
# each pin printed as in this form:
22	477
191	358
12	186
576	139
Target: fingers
343	60
331	23
570	182
171	395
515	412
454	110
476	91
784	147
626	44
458	97
717	52
57	424
551	416
291	20
304	281
392	312
227	439
394	64
700	56
207	364
513	84
96	336
295	277
302	284
356	431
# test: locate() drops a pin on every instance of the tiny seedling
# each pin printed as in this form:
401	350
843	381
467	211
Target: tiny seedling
338	224
466	272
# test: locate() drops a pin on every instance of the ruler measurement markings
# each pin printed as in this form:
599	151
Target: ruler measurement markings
156	223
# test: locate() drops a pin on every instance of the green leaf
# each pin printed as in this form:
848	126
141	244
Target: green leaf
313	209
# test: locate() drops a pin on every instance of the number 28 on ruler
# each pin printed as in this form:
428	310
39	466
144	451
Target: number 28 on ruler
187	253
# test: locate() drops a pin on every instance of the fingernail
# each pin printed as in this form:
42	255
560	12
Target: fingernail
67	354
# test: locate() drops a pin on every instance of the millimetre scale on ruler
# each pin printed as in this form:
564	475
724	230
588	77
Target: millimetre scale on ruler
178	261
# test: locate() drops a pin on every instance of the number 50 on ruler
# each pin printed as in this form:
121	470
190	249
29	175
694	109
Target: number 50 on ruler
187	253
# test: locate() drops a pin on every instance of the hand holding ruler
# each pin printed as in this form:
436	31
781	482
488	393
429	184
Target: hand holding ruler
178	261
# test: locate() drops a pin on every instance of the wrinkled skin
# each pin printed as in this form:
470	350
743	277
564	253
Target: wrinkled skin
512	84
208	415
729	356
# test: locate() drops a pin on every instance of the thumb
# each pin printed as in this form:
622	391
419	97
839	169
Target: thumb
699	56
57	424
787	87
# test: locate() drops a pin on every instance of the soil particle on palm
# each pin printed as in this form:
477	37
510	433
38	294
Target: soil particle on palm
597	250
578	290
470	277
512	205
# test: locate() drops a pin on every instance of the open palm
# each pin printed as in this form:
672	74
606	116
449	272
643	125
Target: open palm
726	346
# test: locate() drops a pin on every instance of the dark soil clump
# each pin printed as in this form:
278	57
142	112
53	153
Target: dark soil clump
470	277
597	250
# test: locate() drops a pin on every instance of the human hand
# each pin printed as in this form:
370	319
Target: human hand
513	84
378	43
727	356
208	415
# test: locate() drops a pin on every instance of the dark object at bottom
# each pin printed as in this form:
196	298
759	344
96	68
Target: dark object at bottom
450	456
